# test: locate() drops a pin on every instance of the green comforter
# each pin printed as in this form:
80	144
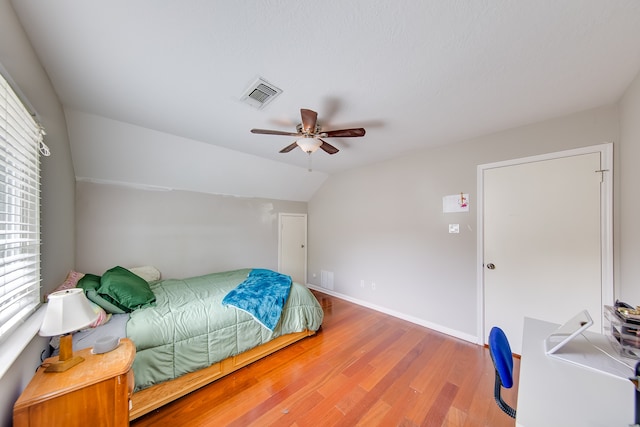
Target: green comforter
189	329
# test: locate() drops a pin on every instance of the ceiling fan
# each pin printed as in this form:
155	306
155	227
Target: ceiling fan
310	134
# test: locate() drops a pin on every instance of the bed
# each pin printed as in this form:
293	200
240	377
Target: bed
190	332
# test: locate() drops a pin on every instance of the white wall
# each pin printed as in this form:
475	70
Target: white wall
629	201
18	59
112	151
384	223
181	233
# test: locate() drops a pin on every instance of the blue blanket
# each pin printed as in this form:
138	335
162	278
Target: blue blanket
262	295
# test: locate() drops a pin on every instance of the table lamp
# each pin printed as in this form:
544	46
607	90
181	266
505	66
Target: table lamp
67	311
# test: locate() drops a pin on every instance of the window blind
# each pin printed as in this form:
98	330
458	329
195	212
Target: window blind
20	137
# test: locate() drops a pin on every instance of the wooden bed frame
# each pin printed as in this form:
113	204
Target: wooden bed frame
148	399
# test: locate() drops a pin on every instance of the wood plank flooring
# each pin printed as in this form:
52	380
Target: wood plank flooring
363	368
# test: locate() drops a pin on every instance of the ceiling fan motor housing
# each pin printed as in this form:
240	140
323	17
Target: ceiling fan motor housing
308	133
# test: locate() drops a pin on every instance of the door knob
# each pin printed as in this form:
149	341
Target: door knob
491	266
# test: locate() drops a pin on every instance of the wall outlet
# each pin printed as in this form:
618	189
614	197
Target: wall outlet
362	283
373	285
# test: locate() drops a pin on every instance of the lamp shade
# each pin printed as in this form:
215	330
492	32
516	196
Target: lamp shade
67	311
309	145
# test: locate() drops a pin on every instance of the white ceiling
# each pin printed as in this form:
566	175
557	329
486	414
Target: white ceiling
414	73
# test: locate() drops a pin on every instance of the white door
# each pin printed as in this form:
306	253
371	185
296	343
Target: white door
292	253
542	247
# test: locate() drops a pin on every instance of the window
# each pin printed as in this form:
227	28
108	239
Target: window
20	140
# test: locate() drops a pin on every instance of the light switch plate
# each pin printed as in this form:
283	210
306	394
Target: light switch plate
454	228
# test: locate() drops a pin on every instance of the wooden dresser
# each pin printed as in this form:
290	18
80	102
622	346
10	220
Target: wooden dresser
96	392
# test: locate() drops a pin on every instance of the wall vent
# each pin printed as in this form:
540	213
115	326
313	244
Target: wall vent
326	279
260	93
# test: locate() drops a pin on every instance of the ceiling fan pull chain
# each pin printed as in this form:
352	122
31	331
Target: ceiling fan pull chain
309	154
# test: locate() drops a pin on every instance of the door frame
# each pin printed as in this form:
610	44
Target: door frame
606	221
306	246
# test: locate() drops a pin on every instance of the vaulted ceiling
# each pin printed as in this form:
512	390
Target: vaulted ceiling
415	74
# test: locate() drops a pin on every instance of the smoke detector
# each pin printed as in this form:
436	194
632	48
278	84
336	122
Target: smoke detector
260	93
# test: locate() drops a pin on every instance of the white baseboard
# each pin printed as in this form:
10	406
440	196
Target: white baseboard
451	332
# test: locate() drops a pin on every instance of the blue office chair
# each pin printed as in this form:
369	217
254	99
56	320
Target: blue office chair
502	357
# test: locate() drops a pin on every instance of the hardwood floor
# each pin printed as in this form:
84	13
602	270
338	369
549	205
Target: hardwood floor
362	368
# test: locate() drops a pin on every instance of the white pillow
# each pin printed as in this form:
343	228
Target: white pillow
147	272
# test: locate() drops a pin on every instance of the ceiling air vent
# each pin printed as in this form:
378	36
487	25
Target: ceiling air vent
260	93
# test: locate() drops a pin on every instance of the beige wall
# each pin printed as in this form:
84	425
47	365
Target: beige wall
628	202
58	178
384	223
181	233
58	187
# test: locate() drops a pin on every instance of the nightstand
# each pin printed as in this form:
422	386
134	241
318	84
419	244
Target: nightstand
95	392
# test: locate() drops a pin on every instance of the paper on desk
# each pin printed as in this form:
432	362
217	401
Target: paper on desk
596	353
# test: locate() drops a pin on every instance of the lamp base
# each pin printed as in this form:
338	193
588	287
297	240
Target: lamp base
63	365
66	360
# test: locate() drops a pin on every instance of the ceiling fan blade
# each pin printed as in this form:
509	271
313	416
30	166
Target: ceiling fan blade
289	147
343	133
274	132
309	120
328	148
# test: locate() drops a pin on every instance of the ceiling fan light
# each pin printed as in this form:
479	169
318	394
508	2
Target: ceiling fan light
309	145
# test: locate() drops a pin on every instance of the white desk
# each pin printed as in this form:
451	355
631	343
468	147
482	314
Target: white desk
553	392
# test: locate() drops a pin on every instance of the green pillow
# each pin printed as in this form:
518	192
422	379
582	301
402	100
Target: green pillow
125	289
90	283
109	305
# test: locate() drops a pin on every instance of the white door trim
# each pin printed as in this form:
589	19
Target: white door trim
606	221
